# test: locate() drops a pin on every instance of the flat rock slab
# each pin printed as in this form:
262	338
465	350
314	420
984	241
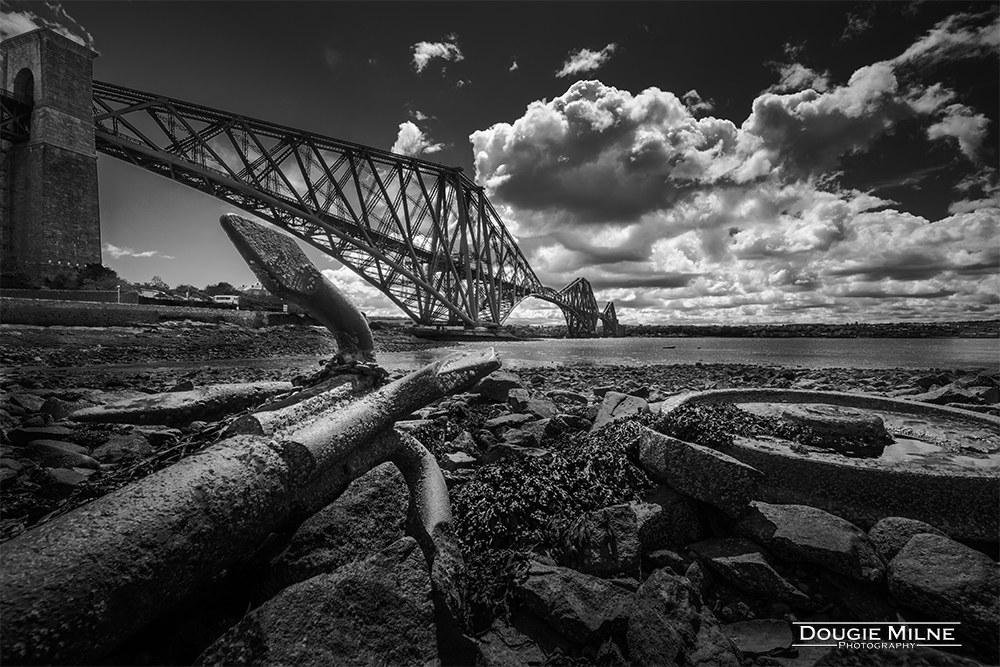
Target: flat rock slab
760	637
950	582
183	407
700	472
801	533
743	564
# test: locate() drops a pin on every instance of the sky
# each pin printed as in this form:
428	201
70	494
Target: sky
697	162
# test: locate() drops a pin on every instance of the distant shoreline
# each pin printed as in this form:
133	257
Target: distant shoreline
964	329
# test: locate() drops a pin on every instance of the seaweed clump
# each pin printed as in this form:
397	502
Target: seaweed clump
717	426
526	504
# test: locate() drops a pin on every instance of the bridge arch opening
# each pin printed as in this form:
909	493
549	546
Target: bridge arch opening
24	84
534	311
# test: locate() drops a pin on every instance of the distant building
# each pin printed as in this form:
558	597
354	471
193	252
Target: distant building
254	290
227	298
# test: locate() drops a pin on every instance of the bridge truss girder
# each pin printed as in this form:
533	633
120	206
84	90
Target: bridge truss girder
610	321
423	234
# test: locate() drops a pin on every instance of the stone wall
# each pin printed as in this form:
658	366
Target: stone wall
84	314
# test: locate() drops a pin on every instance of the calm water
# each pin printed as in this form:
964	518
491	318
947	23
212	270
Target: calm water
943	353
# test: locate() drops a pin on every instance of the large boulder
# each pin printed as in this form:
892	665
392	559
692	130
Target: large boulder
950	582
700	472
668	626
496	386
367	517
806	534
580	606
743	564
617	405
373	612
892	533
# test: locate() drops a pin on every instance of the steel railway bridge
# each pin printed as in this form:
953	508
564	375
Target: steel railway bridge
422	233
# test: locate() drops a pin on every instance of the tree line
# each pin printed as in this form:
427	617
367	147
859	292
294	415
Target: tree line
99	277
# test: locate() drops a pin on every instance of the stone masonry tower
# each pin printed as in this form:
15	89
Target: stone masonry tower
49	209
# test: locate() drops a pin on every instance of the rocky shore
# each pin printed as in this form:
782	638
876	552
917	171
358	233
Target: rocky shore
593	531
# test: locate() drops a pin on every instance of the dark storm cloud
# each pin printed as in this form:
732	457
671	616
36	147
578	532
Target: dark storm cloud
886	294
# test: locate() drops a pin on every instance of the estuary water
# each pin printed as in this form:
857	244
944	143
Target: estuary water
942	353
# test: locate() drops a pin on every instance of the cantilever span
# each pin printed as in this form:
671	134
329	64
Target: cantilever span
424	234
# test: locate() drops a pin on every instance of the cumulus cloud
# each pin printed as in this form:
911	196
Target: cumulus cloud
964	125
601	153
585	60
117	252
810	131
694	102
684	217
48	15
411	140
795	76
424	52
